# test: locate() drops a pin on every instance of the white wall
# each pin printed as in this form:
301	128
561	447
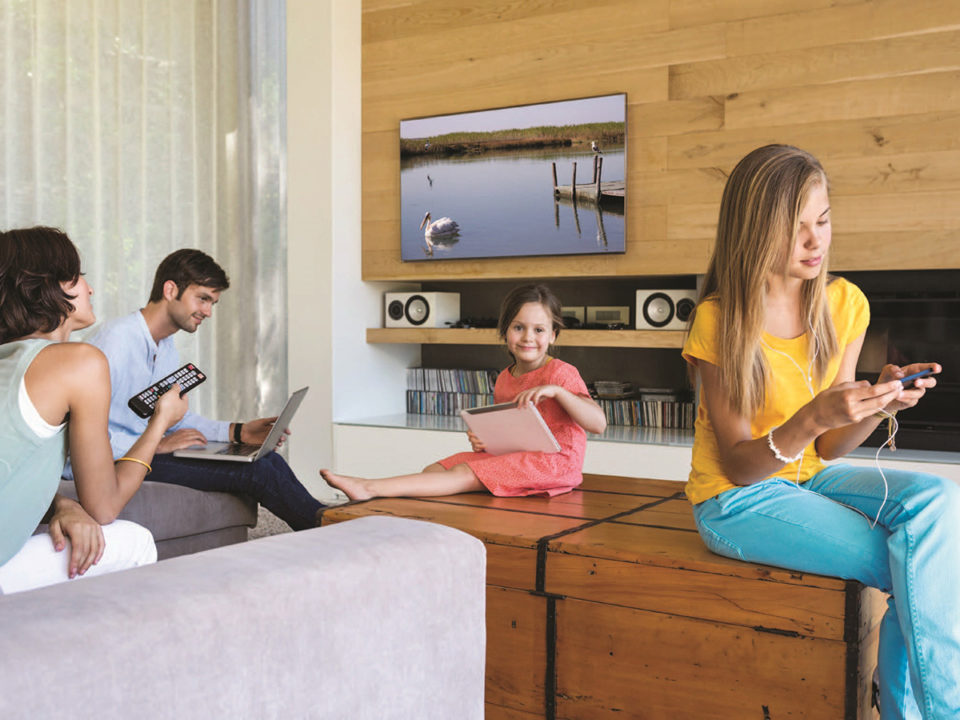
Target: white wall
329	306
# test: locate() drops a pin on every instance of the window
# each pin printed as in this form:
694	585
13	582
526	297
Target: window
141	127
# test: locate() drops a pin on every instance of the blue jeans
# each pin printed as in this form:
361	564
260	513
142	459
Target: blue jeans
269	481
913	553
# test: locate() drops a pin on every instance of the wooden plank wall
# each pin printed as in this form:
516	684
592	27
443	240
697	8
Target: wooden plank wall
872	87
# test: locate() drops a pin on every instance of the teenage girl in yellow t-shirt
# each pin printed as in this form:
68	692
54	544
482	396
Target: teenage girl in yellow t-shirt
775	342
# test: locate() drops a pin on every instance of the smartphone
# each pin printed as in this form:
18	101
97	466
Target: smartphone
908	380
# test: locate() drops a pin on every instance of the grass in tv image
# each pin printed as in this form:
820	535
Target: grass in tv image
545	179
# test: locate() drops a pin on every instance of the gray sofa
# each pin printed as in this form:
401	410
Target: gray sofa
374	618
184	520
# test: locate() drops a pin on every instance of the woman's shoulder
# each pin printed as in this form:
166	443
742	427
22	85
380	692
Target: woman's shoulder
849	309
71	359
839	289
844	296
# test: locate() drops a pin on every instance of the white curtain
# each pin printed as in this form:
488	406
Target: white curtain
144	126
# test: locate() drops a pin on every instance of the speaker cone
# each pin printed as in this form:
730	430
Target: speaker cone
417	309
395	309
658	309
685	308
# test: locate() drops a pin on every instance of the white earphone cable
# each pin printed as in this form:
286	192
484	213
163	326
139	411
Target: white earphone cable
808	381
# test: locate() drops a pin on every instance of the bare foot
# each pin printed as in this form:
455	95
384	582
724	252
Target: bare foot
353	488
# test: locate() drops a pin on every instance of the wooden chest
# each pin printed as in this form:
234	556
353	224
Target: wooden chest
604	603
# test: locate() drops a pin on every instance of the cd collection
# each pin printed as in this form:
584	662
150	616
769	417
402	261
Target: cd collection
664	409
435	391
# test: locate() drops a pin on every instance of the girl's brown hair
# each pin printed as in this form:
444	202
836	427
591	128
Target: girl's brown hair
33	264
756	231
520	296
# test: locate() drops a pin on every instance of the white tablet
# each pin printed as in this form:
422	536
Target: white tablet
506	428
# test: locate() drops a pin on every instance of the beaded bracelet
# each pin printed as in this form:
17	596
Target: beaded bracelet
776	451
136	460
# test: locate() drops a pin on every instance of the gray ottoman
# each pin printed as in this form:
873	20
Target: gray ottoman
184	520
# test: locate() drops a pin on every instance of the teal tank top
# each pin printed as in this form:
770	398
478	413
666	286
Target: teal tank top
30	466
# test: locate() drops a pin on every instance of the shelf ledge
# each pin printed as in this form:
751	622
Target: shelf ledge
670	339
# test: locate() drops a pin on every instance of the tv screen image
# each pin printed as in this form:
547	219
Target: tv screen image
500	183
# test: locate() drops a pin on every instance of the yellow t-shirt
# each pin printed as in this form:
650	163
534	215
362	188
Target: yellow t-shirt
786	393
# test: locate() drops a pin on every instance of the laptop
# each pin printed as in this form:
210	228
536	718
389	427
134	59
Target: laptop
245	452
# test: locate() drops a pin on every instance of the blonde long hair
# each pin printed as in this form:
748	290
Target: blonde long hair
756	231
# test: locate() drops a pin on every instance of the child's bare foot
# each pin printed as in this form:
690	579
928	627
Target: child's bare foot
353	488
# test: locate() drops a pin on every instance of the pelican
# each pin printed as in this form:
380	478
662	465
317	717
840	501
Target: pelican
595	147
444	227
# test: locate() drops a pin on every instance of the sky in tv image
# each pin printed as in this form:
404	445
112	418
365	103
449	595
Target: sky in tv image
487	181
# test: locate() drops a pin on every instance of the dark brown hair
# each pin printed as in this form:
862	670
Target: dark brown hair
33	264
520	296
188	267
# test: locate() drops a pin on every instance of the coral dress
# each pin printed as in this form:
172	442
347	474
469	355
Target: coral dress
534	473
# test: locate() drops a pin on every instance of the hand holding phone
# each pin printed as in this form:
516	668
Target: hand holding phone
907	381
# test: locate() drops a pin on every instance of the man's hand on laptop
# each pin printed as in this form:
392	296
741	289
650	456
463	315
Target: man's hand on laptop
179	439
255	432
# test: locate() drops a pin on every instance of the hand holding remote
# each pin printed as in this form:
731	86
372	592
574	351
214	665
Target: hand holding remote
170	407
187	377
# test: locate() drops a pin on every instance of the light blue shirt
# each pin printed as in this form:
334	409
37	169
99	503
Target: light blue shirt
136	362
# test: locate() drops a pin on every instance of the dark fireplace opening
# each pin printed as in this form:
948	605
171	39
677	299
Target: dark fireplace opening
915	317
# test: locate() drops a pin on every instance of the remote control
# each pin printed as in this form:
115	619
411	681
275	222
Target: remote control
145	401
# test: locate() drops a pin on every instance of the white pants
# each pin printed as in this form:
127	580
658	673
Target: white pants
38	564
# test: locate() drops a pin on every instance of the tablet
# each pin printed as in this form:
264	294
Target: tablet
506	428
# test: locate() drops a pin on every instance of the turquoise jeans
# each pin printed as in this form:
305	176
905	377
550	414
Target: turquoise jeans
913	553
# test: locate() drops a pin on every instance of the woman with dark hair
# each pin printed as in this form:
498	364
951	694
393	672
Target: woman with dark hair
54	397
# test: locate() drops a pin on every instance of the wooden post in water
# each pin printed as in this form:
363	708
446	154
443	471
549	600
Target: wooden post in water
594	177
573	183
554	164
598	173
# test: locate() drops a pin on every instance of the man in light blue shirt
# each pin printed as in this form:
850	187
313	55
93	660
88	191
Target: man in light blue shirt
140	350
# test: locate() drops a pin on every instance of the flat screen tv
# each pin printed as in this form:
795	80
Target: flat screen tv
546	179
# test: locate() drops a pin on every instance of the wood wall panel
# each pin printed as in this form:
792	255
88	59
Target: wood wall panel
862	21
836	63
872	87
698	12
903	95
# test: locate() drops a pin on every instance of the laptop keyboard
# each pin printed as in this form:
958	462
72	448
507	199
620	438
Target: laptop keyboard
243	449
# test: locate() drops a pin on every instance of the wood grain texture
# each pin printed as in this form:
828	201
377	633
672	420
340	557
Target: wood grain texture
872	87
516	649
569	338
656	666
638	619
807	611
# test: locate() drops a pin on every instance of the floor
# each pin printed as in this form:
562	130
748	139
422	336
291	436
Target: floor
267	524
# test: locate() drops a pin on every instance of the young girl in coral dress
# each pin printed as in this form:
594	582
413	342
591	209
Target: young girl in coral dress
530	321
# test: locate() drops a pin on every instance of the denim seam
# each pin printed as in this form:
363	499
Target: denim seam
720	539
917	649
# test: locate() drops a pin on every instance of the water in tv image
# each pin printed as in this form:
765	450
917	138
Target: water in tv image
545	179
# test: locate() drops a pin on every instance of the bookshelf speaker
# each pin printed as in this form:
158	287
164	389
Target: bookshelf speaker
420	309
664	309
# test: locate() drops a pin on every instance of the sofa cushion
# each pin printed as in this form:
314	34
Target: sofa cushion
374	619
185	520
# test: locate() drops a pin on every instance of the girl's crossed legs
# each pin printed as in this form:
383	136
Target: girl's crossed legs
911	553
